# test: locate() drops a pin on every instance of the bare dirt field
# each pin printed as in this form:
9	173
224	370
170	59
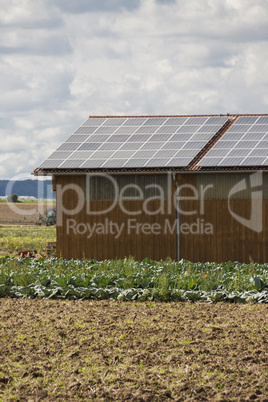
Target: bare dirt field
21	213
111	351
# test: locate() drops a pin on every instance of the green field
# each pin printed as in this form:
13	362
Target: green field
18	238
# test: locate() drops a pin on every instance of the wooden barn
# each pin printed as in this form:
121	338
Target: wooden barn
191	187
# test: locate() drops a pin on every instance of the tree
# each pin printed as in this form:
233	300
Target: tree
13	198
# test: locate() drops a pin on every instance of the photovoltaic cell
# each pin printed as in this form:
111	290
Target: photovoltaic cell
180	162
94	122
207	161
209	129
263	120
156	162
157	121
239	128
258	128
134	121
72	163
152	145
146	130
132	145
86	130
185	153
217	120
135	163
187	129
88	146
246	120
254	136
77	138
173	145
259	152
193	145
167	129
197	121
69	146
116	121
114	163
237	152
93	163
245	144
160	137
165	153
139	137
123	154
126	130
60	155
80	155
118	138
252	161
232	161
143	154
51	163
112	146
98	138
105	130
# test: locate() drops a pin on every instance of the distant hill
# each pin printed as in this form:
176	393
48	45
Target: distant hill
27	188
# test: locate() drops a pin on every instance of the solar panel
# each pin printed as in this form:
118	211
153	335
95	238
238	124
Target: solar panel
216	120
86	130
246	120
60	155
97	138
49	163
72	163
175	121
252	161
97	121
77	138
146	129
115	142
263	120
114	121
131	145
165	153
135	163
157	121
89	146
244	144
180	162
93	163
114	163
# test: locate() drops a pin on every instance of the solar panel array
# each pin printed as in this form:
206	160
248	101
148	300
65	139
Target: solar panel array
136	142
244	144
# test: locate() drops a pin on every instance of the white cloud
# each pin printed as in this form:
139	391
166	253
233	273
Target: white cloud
62	61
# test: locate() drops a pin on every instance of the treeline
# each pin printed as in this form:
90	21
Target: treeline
27	188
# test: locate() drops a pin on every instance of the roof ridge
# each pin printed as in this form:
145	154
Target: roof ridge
181	115
210	144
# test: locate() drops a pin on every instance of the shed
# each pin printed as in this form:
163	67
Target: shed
191	187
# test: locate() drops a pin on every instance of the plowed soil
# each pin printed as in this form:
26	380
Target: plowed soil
111	351
20	213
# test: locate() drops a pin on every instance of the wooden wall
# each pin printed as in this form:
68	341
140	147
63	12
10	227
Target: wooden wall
136	238
230	240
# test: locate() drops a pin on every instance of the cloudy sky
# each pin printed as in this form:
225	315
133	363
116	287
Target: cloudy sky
63	60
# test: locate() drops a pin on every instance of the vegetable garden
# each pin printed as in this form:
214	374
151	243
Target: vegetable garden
123	330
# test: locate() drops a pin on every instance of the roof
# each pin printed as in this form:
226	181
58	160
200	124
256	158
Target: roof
163	143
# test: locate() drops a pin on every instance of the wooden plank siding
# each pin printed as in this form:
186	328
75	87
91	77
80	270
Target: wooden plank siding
136	238
230	240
